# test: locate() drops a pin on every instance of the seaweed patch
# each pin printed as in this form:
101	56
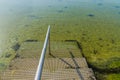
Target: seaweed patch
99	4
49	6
26	25
76	24
16	47
30	40
91	15
83	34
112	41
117	6
100	39
33	17
65	7
60	11
95	51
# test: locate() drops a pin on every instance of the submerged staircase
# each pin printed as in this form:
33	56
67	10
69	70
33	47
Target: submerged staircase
63	61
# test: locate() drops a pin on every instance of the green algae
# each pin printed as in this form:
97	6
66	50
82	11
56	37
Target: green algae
98	35
113	77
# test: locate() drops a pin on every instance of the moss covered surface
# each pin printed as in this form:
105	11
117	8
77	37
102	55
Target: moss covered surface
113	77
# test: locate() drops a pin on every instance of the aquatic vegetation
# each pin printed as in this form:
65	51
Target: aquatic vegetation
33	17
100	4
95	51
113	62
30	40
91	15
113	41
60	11
27	25
100	39
98	36
49	5
113	77
2	65
117	6
76	24
65	7
8	55
16	46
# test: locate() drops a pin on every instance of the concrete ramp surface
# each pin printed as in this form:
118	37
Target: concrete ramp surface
64	63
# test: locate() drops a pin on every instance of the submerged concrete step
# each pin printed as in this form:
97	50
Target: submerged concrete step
53	64
24	64
17	75
64	63
54	69
58	49
64	74
75	74
50	64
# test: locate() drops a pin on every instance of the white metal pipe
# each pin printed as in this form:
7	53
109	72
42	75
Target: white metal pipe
41	61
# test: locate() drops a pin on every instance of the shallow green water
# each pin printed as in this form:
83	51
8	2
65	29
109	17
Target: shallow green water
94	23
33	16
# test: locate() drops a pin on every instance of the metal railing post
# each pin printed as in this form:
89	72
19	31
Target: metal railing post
41	61
49	45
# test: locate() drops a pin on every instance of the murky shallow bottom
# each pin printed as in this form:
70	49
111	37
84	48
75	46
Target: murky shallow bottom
25	15
94	23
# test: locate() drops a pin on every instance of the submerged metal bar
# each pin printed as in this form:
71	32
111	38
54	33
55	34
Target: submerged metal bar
41	61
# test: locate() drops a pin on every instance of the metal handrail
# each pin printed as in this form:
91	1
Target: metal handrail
41	61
